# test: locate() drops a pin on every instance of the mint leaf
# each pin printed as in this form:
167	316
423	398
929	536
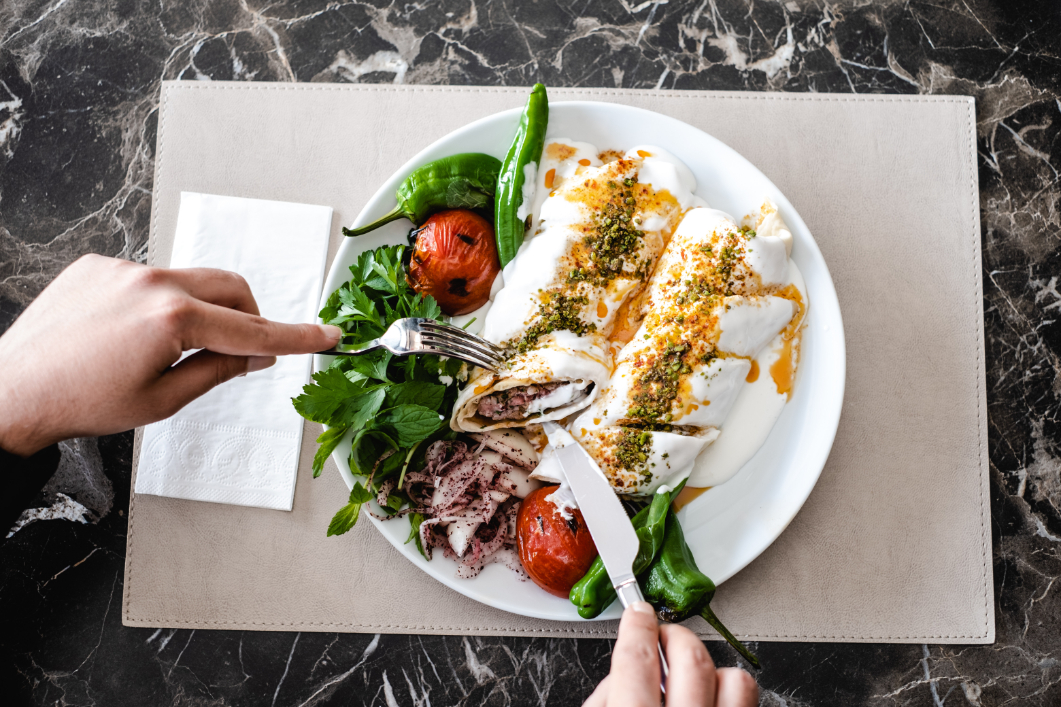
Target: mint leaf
328	441
428	395
412	423
451	367
393	504
415	520
390	466
347	516
369	445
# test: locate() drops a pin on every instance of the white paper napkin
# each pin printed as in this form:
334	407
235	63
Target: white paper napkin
240	442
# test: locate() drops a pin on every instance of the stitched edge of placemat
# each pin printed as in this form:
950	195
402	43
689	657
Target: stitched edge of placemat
967	163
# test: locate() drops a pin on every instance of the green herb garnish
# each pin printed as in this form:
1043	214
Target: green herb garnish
394	407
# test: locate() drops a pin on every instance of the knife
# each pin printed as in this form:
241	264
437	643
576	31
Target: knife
610	527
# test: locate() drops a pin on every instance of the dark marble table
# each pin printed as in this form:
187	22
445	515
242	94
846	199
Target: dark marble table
79	84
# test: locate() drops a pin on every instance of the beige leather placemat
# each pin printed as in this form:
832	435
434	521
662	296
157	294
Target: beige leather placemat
893	544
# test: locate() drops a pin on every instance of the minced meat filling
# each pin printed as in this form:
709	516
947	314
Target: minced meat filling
516	403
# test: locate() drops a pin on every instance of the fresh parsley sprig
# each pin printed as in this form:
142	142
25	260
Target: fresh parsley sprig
394	407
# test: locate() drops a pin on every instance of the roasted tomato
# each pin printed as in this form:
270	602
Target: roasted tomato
555	552
454	260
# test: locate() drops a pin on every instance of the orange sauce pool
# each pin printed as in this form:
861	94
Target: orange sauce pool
625	324
602	309
687	496
549	177
559	151
584	162
753	374
783	370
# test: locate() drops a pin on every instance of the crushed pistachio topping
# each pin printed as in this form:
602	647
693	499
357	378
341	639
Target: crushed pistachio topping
727	250
557	312
615	238
633	450
657	387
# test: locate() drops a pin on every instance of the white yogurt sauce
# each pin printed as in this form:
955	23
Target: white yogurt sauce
530	176
751	418
556	224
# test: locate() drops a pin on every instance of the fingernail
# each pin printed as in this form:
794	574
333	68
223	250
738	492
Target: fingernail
258	363
332	332
642	607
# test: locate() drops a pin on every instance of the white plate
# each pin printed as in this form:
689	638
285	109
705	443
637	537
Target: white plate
730	525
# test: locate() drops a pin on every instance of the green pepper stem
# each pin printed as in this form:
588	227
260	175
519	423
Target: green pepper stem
394	215
709	617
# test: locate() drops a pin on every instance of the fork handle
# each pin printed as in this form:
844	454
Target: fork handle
365	348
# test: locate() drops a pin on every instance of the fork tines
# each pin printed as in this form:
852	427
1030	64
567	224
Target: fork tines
457	343
457	332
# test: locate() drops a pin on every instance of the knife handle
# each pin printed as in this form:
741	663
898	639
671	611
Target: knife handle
629	593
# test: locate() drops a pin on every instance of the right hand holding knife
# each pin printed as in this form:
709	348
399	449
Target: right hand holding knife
693	680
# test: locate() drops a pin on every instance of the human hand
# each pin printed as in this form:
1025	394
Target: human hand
94	353
693	680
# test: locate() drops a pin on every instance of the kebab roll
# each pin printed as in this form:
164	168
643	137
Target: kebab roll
601	231
715	301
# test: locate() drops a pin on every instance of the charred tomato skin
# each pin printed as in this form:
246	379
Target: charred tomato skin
555	552
454	259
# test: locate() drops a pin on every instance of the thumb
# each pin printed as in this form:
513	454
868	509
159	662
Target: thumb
199	373
634	678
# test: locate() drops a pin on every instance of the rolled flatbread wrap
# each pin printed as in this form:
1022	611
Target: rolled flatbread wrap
714	302
600	231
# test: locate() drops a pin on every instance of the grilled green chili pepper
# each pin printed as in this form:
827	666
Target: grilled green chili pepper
464	181
594	592
678	589
526	148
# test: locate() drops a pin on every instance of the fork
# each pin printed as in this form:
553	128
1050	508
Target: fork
415	335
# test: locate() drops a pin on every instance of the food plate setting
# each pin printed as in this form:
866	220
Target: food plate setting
648	289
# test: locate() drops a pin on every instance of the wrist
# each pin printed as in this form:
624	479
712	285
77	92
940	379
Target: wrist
20	444
19	433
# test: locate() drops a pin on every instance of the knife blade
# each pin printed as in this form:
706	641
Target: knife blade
608	524
612	531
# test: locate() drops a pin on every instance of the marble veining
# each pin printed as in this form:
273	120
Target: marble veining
79	83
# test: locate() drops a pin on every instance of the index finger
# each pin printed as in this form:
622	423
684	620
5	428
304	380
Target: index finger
692	672
634	679
229	331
